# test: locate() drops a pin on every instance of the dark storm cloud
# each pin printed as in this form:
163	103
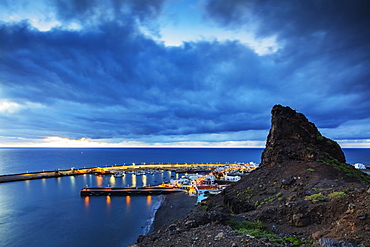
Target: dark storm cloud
294	18
109	80
114	82
79	64
88	10
325	48
91	13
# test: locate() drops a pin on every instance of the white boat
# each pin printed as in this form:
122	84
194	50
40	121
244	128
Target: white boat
139	173
119	174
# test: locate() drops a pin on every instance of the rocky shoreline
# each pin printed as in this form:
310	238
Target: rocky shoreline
180	222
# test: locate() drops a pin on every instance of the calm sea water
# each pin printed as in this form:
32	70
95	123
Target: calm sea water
50	212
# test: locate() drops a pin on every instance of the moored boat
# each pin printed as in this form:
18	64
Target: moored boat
119	174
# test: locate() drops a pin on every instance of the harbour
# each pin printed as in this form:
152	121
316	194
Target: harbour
180	168
51	211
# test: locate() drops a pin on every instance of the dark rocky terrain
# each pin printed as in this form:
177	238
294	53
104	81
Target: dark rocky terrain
303	190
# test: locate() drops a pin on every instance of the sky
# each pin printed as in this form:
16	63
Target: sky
180	73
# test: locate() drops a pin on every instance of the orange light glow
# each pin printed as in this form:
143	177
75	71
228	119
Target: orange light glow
108	200
128	200
149	200
87	201
99	181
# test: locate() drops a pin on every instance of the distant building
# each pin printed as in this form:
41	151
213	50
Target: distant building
359	166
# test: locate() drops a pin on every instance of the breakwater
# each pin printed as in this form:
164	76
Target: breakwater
110	170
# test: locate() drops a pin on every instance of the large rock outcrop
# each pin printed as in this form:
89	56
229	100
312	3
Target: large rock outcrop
293	137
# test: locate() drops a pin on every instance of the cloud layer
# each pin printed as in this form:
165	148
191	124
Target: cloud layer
97	75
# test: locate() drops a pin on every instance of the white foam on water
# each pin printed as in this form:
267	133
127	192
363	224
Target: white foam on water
153	211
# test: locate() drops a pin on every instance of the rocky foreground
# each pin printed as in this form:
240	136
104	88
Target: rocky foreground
303	192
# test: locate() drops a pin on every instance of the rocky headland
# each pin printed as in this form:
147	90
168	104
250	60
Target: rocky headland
303	193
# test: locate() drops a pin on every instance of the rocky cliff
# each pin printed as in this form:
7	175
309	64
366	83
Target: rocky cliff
293	138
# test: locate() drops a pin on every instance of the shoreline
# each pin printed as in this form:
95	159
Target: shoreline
174	206
149	226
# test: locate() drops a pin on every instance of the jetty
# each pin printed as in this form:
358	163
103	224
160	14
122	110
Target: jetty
110	170
124	191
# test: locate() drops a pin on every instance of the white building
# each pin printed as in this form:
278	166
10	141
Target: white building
359	166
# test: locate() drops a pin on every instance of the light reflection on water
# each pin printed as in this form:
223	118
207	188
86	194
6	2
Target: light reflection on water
133	180
128	201
50	212
112	181
149	201
144	180
87	200
99	180
73	181
27	183
108	201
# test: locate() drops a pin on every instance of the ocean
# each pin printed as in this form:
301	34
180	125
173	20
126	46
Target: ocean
50	212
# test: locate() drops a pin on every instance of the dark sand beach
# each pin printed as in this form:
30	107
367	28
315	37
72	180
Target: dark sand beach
174	206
